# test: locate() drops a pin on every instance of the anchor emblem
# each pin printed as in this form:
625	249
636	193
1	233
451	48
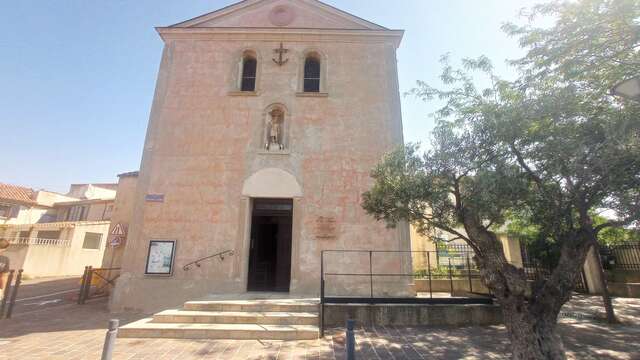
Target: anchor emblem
280	51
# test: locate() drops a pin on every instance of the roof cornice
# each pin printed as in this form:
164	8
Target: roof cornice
280	34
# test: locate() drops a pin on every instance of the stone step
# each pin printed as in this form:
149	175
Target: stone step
145	328
236	317
253	306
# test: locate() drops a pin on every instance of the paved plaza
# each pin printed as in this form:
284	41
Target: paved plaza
71	331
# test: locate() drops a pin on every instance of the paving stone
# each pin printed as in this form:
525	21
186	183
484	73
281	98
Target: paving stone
78	332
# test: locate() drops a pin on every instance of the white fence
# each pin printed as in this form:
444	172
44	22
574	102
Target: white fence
39	242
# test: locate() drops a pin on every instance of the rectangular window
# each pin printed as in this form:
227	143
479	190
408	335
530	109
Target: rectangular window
44	236
312	73
249	71
311	85
69	214
5	210
248	84
92	241
108	212
48	218
51	235
77	213
84	210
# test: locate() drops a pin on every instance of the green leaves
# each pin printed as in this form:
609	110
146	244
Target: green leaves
537	157
553	146
592	44
403	191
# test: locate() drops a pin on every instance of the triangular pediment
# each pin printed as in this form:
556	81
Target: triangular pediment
303	14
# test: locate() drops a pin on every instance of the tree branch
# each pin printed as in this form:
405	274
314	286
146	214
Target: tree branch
524	165
457	195
603	226
489	157
446	228
453	239
491	222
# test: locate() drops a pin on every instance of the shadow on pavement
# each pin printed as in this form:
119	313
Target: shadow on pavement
44	286
93	315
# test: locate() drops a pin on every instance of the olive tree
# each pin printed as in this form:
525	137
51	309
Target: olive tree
552	146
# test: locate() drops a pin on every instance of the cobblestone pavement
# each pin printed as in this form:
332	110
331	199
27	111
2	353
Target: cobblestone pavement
77	332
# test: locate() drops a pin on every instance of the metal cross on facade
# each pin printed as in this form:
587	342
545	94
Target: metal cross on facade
280	51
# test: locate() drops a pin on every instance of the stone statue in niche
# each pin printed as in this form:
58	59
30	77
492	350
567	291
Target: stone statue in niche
274	130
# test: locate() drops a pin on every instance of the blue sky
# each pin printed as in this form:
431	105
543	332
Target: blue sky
77	76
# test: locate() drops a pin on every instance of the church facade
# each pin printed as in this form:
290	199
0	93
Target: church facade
267	119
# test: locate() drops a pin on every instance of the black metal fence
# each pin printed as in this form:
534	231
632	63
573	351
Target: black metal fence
388	277
621	257
375	276
97	282
536	271
10	293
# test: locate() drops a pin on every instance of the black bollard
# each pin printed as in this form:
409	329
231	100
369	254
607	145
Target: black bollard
351	340
7	293
14	294
83	283
110	339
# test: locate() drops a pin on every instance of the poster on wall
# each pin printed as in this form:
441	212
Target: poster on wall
160	257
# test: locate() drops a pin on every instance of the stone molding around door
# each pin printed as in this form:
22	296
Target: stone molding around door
271	183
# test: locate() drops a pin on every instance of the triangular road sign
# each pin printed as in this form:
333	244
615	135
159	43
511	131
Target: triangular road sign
118	230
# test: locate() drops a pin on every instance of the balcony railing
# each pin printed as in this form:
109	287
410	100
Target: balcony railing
38	242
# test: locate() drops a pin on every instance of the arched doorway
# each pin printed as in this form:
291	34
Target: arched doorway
272	192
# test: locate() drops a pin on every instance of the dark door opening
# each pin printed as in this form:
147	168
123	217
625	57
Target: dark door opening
270	252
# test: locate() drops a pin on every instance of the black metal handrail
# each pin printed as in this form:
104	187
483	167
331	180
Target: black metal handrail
219	255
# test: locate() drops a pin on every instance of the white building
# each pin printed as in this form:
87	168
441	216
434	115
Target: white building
54	234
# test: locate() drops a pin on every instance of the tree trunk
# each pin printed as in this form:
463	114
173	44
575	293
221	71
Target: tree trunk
530	311
532	331
606	299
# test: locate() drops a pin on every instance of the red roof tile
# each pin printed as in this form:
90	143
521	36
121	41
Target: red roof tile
16	193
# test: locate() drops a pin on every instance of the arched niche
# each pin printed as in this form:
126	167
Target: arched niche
271	183
275	136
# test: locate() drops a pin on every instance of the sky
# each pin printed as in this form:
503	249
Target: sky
77	77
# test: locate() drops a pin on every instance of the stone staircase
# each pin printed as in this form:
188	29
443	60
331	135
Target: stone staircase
266	319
